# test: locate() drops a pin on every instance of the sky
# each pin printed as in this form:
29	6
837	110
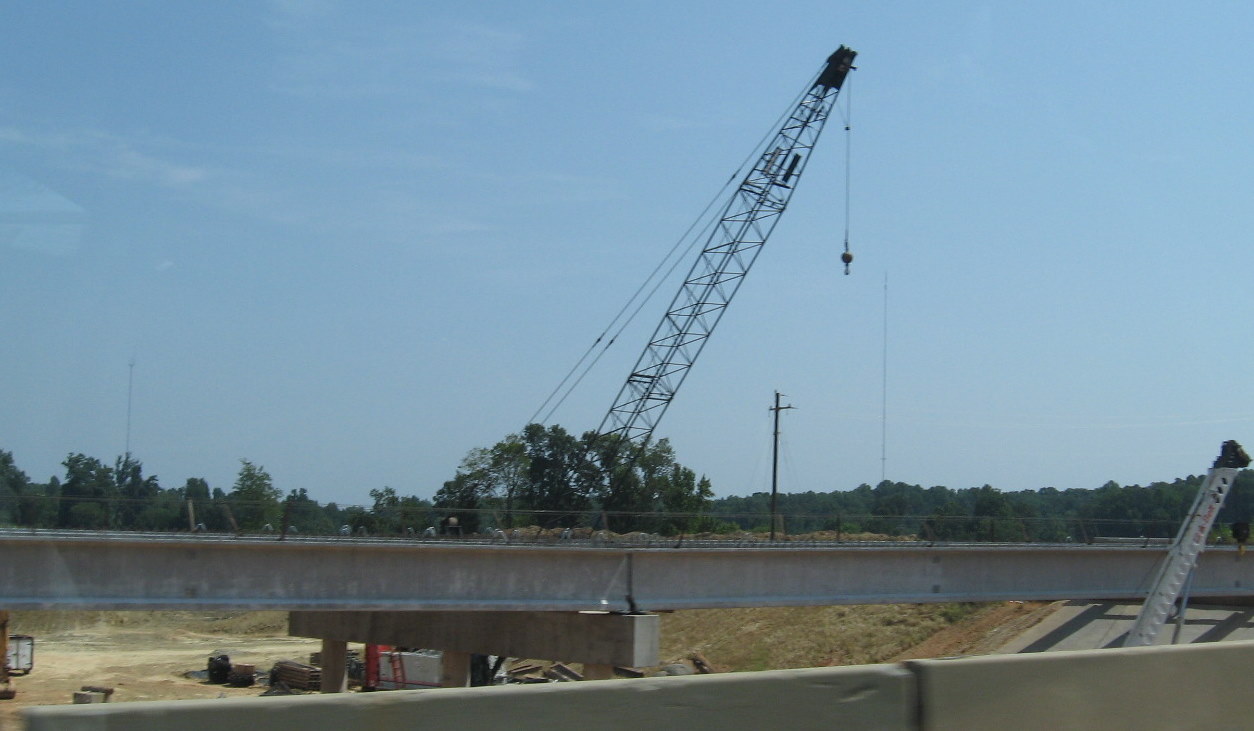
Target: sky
352	241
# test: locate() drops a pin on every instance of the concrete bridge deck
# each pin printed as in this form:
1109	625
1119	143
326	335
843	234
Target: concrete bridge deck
61	570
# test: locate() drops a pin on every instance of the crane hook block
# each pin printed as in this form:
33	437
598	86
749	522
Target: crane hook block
847	258
838	66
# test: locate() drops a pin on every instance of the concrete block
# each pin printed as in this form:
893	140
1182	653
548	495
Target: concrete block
1180	687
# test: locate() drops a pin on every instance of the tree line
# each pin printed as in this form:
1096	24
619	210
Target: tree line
546	477
93	495
988	514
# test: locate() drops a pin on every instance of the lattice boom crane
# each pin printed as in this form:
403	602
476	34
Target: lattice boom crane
744	224
1181	558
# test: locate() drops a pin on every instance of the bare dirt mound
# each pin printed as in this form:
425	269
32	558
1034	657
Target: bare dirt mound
798	637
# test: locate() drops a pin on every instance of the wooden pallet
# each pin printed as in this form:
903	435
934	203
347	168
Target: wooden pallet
296	675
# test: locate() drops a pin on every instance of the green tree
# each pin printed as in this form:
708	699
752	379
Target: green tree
557	475
14	484
646	481
463	496
305	515
254	500
683	497
87	494
947	523
195	492
507	468
136	496
39	507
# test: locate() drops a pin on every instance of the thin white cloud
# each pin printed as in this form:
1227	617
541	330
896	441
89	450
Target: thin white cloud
36	218
106	153
129	164
339	52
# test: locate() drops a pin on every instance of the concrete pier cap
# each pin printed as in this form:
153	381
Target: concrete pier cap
594	638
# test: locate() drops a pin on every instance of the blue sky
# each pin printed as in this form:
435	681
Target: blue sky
352	241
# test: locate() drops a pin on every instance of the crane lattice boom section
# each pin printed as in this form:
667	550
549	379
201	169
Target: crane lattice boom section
744	224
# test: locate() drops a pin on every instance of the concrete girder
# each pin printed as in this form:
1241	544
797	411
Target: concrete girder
121	571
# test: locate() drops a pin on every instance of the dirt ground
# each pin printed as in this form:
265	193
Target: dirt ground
145	655
142	662
984	634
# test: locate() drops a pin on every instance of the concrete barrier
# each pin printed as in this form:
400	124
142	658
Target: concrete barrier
1166	687
1176	687
862	697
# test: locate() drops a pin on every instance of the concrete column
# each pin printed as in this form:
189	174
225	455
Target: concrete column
593	671
455	670
334	666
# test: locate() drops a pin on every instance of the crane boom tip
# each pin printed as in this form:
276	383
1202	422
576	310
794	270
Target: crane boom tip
838	67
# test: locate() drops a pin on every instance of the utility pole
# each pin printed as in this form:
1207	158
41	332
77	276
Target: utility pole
775	463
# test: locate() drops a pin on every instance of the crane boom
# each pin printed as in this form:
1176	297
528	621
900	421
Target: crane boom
745	222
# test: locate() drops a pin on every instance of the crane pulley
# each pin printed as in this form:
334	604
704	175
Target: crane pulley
745	222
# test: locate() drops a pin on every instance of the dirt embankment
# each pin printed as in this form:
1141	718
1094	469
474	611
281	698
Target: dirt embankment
800	637
145	655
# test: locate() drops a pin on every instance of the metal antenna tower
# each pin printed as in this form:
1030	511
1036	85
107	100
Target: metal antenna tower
130	389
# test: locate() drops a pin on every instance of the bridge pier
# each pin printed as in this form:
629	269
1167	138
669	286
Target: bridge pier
334	666
599	640
455	669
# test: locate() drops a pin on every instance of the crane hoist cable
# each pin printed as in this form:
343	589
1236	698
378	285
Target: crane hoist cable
656	281
847	115
692	236
734	243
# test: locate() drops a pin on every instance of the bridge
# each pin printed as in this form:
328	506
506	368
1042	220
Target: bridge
111	571
590	601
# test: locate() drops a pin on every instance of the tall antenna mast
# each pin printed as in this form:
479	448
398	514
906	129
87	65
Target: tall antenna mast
884	392
130	389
